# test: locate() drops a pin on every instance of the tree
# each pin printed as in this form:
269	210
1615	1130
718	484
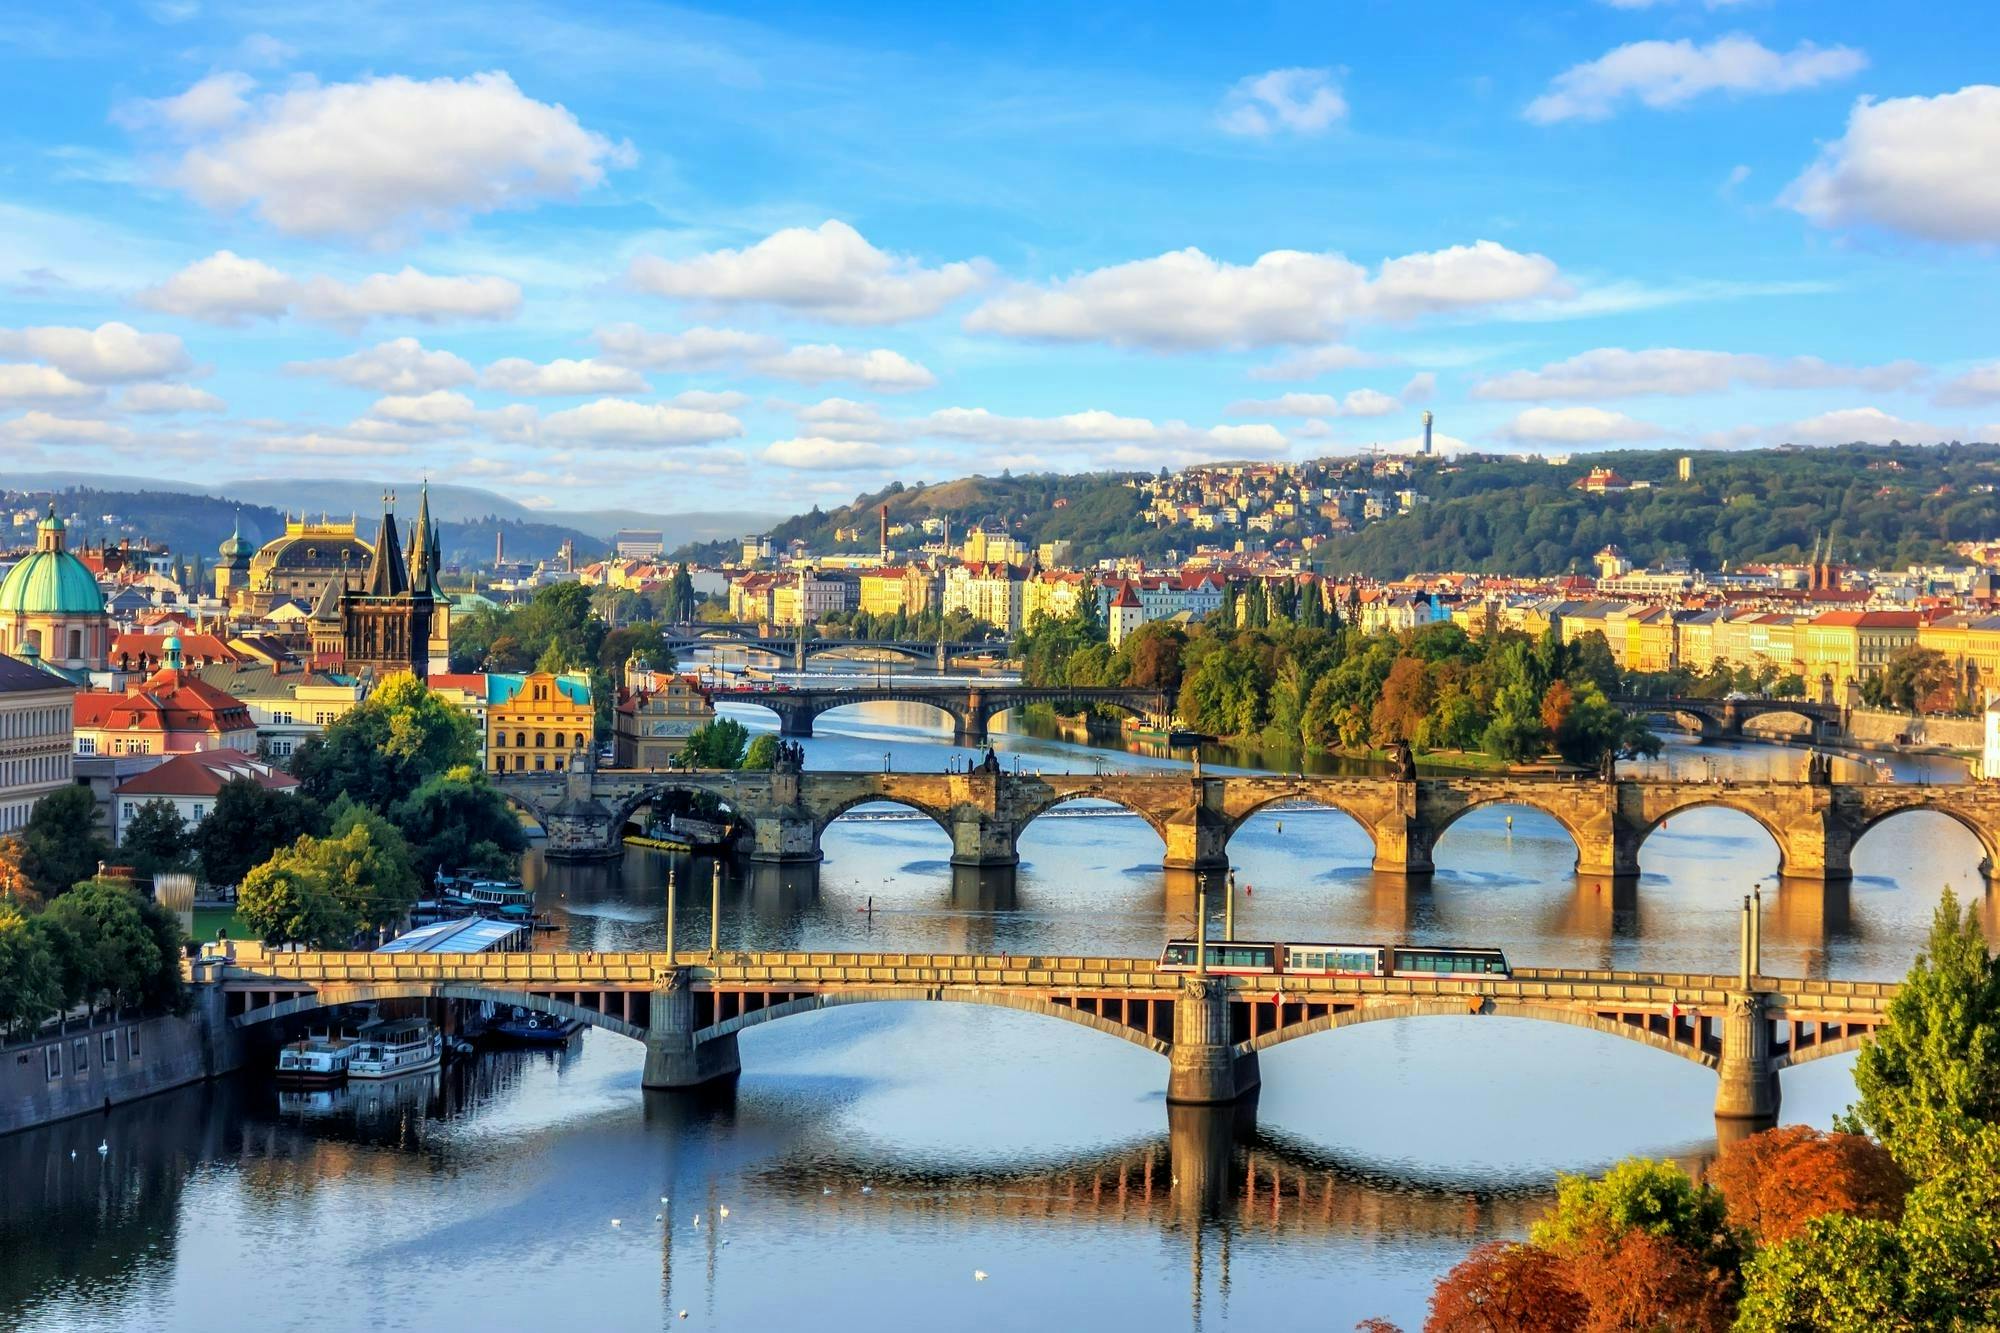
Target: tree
1637	1194
369	864
1931	1076
458	821
1777	1181
716	744
249	823
680	602
157	841
1507	1288
383	748
1406	699
31	986
119	955
287	900
1644	1281
1917	677
15	883
60	844
763	752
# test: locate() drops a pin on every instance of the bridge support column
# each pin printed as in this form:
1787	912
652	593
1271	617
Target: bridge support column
1746	1085
1817	847
1204	1069
1403	844
674	1059
785	838
1198	843
1613	856
795	722
979	839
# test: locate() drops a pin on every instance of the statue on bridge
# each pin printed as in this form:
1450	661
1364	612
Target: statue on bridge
1402	763
1819	768
791	758
1607	766
989	762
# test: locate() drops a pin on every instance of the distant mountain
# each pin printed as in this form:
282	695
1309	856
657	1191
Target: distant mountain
450	504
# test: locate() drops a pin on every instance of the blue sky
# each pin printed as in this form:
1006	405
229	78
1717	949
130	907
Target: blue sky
627	254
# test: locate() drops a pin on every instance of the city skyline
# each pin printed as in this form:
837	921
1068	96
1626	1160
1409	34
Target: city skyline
674	260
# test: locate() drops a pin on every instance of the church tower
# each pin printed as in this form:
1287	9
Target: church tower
426	559
386	622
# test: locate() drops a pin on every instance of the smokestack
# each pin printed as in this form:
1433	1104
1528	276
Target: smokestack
885	534
1427	434
499	547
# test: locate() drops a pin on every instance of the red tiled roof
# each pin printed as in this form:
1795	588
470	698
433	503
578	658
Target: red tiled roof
203	773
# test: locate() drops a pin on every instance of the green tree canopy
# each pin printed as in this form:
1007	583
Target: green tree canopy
123	949
31	982
60	845
717	744
457	821
157	841
249	823
386	746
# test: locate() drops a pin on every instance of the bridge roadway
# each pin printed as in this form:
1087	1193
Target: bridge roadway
1712	718
688	1008
971	708
1815	823
682	638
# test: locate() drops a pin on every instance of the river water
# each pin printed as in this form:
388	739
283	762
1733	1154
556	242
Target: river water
872	1160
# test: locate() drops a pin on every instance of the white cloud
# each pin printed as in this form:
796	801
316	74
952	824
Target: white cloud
830	272
379	156
621	422
1928	166
163	399
1359	403
1314	362
1106	438
111	353
1669	74
1578	425
1368	403
527	379
705	400
1614	372
42	386
399	366
698	348
209	105
45	428
880	369
1303	101
409	294
439	407
1981	384
1869	424
1421	386
228	289
224	288
1186	300
847	419
818	454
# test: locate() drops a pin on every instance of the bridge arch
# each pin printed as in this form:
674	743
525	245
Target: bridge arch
1779	835
1095	792
1239	815
919	994
622	813
1019	698
824	819
334	997
1988	838
1526	800
1495	1007
1820	1050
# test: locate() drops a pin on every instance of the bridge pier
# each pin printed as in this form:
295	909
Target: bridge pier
1612	857
968	732
1746	1085
1199	842
674	1058
981	840
795	722
1203	1066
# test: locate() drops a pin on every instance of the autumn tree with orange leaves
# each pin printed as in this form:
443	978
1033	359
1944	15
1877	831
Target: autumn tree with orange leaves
1777	1181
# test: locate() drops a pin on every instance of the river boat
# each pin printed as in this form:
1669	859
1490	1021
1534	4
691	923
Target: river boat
396	1047
503	899
529	1027
315	1062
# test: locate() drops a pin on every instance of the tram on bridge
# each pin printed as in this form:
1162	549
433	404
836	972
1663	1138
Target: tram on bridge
1237	958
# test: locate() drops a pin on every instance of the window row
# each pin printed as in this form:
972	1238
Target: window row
79	1056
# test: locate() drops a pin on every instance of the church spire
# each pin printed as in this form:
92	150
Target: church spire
387	575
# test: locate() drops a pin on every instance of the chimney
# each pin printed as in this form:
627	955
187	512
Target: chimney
885	534
499	547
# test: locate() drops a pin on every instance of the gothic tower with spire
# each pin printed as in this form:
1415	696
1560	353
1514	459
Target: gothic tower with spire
426	560
386	622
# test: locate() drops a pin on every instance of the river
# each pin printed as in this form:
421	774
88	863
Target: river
872	1159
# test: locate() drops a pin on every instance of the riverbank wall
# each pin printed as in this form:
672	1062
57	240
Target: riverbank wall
1872	726
62	1074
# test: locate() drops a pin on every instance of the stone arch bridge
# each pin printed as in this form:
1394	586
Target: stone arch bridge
971	707
1717	718
688	1009
748	638
1814	824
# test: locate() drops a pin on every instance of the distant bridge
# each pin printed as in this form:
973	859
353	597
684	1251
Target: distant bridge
1715	718
1814	824
682	639
689	1008
970	707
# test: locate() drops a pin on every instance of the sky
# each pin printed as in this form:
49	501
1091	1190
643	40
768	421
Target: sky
765	256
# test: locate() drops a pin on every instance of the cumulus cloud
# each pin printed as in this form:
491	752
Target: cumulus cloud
620	422
831	272
439	407
111	353
1359	403
380	156
1981	384
1578	425
1185	300
1314	362
1302	101
698	348
1669	74
1614	372
815	453
229	289
561	377
880	369
398	366
706	400
1869	424
40	427
164	399
1421	386
43	386
1926	166
1105	437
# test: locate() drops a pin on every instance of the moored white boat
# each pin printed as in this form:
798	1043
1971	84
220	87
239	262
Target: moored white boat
315	1061
398	1046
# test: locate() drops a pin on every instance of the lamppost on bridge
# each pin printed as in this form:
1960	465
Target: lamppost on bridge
670	916
1229	906
1200	925
715	914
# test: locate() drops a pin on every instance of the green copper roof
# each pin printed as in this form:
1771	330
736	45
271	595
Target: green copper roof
51	582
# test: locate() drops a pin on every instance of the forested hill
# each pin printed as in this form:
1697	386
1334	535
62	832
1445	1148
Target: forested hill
1890	505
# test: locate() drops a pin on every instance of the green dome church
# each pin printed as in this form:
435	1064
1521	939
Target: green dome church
51	601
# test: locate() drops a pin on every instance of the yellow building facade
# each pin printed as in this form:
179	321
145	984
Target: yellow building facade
538	722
